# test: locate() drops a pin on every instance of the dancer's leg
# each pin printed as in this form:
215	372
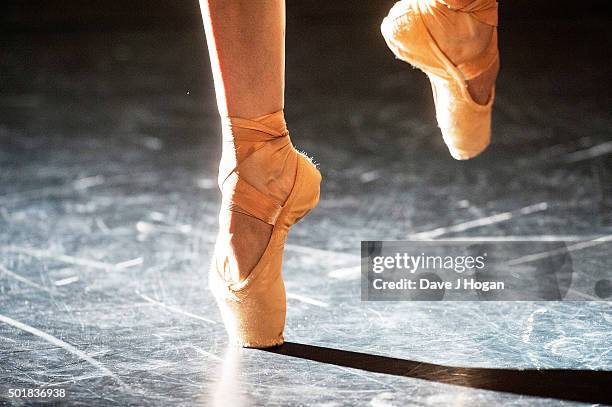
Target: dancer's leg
246	43
266	184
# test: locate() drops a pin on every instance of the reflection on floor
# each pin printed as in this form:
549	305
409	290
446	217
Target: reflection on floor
108	200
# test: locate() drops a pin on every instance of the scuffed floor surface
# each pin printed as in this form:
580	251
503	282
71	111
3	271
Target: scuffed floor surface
108	201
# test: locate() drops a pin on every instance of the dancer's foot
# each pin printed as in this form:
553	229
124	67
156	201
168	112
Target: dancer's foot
455	43
267	187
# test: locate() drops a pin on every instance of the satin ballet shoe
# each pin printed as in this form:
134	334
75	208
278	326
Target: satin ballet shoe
465	124
253	310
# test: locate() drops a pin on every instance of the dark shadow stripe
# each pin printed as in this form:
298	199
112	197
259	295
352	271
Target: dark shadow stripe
589	386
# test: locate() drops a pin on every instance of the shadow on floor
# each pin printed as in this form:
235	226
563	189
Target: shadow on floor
575	385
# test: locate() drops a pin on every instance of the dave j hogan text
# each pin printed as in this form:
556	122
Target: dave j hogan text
426	284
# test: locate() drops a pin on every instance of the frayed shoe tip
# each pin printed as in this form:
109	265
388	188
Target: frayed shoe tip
260	344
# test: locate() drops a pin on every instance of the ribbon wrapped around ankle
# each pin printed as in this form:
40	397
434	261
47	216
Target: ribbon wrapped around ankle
267	127
484	11
248	136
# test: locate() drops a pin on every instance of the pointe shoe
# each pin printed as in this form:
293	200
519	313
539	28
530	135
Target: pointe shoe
253	310
465	124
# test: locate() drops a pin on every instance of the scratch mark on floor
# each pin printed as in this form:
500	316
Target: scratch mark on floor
307	300
174	309
88	182
345	273
78	261
66	281
205	353
319	252
147	228
74	380
519	238
485	221
587	154
102	226
22	279
17	197
129	263
356	373
58	342
378	314
572	248
526	336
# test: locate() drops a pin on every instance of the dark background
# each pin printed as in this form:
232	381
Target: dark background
181	14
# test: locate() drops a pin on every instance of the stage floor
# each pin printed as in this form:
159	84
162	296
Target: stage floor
109	144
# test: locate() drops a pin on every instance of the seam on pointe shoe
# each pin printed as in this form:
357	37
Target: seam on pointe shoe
458	78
